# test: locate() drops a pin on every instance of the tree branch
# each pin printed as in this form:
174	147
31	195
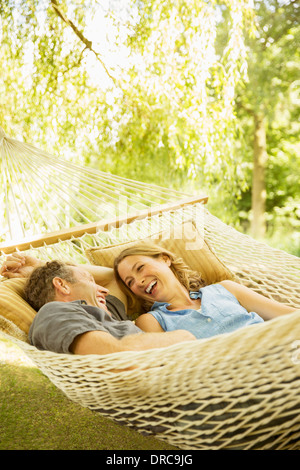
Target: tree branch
86	42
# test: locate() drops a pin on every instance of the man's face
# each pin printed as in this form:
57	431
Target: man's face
85	288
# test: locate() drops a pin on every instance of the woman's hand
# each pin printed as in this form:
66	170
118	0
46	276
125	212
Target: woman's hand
19	265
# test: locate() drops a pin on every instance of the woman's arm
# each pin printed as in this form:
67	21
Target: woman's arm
254	302
147	322
101	274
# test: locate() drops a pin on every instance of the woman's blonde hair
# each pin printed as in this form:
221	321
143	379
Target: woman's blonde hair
190	279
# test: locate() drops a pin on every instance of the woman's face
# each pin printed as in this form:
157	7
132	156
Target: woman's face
149	278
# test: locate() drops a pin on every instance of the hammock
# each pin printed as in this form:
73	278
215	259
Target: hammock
234	391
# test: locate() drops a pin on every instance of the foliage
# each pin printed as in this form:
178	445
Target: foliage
175	108
177	112
272	89
181	106
43	78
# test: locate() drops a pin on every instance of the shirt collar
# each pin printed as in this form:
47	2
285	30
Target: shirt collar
193	295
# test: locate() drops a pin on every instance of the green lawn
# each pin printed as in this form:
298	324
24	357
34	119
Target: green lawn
35	415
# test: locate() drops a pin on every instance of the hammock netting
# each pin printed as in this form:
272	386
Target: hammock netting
234	391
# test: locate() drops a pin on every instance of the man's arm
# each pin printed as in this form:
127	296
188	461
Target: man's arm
21	265
100	342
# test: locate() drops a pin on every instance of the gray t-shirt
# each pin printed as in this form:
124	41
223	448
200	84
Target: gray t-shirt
57	324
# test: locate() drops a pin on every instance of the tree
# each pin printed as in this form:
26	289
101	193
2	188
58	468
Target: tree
44	76
175	87
177	109
266	109
166	114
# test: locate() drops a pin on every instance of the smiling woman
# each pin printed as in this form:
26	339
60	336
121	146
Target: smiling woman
175	297
150	278
135	265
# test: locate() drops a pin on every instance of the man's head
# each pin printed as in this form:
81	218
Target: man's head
63	282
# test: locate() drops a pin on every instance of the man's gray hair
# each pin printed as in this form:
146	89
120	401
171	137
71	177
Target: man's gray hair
39	288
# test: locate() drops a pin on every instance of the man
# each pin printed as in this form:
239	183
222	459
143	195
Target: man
78	315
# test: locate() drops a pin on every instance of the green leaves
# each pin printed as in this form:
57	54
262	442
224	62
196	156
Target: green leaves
179	70
178	111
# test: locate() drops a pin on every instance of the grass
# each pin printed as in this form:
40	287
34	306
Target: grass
35	415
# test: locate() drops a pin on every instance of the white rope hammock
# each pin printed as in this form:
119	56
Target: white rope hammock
239	390
43	194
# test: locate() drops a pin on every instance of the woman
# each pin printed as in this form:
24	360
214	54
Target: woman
175	297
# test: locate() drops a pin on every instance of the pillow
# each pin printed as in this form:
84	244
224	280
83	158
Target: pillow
13	307
184	241
11	329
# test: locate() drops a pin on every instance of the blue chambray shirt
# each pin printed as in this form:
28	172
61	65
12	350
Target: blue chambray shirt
220	313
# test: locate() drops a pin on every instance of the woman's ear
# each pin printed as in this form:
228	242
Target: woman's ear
166	259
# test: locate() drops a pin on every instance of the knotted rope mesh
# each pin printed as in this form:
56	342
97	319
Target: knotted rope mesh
238	390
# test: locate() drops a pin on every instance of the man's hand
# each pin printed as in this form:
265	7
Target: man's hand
19	265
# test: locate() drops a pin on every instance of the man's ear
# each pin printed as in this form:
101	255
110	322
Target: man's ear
61	285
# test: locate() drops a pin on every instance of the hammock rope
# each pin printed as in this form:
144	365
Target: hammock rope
234	391
33	178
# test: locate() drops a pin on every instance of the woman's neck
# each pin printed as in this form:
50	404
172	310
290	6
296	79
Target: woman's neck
181	300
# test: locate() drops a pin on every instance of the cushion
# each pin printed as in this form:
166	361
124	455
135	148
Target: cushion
13	307
11	329
184	241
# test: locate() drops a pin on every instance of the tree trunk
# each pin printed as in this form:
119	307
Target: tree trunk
258	222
